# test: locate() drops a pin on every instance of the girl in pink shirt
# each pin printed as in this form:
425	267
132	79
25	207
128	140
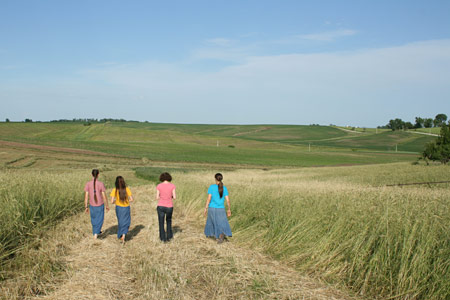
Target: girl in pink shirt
95	193
165	194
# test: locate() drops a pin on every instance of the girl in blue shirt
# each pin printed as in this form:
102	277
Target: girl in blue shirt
217	222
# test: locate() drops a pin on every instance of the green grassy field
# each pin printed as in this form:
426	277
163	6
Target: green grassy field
385	141
434	130
264	145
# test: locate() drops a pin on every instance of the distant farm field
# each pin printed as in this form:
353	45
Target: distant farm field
263	145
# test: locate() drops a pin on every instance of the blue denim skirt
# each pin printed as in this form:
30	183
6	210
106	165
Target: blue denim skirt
217	223
97	216
123	220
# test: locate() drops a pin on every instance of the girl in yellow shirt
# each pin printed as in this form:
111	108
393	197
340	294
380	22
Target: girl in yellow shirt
121	196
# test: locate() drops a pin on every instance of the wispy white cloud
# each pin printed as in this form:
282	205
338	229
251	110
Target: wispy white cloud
221	42
307	83
107	63
234	50
328	36
221	49
297	88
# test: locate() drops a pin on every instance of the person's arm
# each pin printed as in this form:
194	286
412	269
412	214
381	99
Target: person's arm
86	207
113	199
157	195
105	200
174	195
207	204
130	197
229	206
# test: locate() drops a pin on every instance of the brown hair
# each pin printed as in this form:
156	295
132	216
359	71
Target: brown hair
95	173
165	176
121	188
219	178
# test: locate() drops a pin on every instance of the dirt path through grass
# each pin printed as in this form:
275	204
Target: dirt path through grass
189	267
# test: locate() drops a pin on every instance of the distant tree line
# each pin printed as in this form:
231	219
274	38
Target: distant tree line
80	120
399	124
87	120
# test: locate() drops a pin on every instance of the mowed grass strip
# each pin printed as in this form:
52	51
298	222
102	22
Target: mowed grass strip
381	242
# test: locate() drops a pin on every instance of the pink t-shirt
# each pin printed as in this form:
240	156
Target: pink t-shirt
99	188
165	194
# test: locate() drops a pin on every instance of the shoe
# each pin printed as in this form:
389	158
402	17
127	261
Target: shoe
221	238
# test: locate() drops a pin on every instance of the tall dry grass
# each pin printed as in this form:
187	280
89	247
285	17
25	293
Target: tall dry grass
343	225
31	201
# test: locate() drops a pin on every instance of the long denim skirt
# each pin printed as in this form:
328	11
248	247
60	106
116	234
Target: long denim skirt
123	220
217	222
97	216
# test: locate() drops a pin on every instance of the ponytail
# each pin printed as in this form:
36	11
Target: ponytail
95	173
219	178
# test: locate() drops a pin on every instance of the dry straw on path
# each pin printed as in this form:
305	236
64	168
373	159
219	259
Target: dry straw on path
189	267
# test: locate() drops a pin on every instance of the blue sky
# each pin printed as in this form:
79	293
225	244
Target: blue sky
356	63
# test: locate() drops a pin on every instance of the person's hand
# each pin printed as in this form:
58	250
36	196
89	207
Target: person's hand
107	208
229	213
205	212
86	210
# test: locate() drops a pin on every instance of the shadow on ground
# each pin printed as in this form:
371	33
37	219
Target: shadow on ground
176	229
109	231
134	232
113	231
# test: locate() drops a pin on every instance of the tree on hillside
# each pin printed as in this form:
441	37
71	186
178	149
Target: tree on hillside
439	150
408	125
7	120
428	123
396	124
419	122
28	120
439	120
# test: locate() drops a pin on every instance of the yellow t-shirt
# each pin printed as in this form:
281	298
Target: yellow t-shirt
125	203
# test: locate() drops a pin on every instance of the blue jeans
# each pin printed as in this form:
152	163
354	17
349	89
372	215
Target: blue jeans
165	212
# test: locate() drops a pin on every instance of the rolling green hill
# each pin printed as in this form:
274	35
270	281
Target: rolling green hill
385	141
272	145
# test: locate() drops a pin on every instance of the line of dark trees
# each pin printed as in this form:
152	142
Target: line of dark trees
399	124
104	120
80	120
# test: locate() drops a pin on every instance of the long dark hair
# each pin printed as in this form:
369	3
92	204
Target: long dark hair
95	173
121	188
219	178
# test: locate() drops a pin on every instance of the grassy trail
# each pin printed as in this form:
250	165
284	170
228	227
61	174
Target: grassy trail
189	267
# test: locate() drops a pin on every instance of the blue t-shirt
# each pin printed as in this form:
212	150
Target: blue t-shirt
216	201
